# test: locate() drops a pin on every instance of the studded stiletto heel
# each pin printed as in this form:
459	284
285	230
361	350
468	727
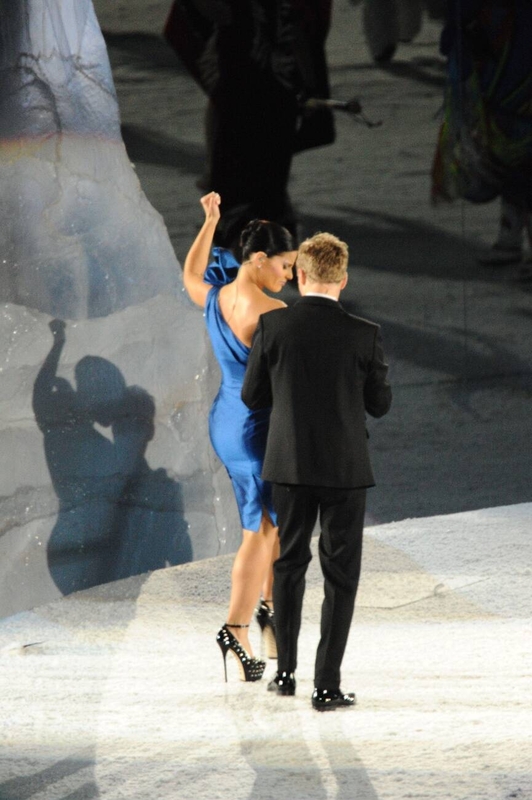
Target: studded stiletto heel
266	619
251	669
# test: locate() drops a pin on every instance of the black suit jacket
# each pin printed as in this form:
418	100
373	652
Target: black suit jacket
321	369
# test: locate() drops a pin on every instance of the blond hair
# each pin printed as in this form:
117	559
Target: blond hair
323	258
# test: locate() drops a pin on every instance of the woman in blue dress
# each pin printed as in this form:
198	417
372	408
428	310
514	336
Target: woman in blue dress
234	297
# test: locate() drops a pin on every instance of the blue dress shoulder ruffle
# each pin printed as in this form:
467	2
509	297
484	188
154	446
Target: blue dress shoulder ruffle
223	269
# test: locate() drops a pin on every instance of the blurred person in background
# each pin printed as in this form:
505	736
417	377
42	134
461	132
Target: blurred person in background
484	149
257	61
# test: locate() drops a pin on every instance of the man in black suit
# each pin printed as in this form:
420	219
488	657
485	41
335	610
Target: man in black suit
321	370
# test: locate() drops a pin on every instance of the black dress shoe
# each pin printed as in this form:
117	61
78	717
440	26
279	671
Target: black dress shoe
283	683
329	700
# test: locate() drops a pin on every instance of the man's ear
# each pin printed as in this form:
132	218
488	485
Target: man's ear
301	276
344	281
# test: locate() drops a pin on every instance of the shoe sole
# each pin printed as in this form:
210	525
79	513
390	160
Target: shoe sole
333	707
282	692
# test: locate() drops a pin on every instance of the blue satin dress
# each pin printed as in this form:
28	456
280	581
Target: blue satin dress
238	435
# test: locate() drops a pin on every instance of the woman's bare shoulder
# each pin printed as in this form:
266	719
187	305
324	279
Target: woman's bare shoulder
264	303
247	317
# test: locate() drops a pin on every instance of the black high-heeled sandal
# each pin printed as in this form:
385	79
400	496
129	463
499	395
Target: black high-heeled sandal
266	619
251	669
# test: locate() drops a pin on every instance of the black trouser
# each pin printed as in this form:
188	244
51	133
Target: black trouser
341	516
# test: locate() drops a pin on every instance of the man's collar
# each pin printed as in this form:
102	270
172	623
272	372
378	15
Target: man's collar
320	294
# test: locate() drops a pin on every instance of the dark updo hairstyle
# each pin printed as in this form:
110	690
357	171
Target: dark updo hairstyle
260	235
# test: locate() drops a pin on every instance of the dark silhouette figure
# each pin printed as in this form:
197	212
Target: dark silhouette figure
117	517
258	61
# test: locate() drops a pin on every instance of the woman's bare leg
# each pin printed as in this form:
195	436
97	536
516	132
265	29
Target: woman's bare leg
250	567
267	586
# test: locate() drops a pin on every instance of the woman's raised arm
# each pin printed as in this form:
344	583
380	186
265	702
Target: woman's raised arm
197	259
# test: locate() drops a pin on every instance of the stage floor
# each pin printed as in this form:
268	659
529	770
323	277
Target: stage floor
118	691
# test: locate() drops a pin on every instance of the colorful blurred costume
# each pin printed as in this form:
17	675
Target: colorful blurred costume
485	142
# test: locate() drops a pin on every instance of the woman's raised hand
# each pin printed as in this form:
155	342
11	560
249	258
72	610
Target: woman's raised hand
198	256
211	206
